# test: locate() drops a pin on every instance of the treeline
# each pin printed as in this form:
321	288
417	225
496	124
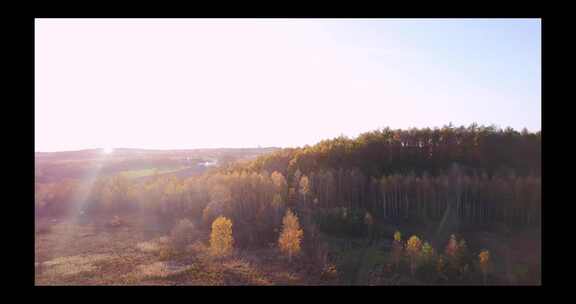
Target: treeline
477	174
477	149
471	198
256	201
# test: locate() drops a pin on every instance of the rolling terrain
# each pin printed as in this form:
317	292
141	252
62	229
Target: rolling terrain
450	206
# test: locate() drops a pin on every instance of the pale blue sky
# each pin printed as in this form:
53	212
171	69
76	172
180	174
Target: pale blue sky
185	83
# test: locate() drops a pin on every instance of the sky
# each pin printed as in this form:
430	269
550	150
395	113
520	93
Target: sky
209	83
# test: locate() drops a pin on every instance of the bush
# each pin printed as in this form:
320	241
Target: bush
183	234
166	253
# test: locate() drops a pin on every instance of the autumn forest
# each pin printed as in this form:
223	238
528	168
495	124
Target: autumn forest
442	206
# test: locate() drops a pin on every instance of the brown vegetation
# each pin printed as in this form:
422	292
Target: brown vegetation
302	202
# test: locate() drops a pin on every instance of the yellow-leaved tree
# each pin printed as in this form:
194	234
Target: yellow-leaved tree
291	235
221	240
484	258
413	248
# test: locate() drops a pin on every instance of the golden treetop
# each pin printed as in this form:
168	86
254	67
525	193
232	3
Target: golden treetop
221	240
414	244
397	236
484	257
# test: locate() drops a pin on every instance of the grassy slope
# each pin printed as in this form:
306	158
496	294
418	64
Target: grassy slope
69	253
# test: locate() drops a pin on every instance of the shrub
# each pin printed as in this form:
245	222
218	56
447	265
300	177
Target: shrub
183	234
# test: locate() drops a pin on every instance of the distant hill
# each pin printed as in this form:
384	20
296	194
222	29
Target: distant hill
53	166
99	153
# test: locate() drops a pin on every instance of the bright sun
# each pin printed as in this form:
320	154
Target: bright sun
108	150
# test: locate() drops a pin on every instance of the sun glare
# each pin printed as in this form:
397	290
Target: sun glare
108	150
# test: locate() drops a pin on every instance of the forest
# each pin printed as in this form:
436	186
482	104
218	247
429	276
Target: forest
406	198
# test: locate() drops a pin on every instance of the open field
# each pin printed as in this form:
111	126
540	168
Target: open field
72	253
147	172
55	166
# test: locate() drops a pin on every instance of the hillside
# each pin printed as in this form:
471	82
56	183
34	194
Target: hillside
455	191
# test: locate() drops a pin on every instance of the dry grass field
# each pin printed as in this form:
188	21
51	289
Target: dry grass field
72	253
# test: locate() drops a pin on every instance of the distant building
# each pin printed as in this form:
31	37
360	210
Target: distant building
210	163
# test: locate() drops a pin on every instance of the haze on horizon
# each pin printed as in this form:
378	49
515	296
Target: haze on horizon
226	83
